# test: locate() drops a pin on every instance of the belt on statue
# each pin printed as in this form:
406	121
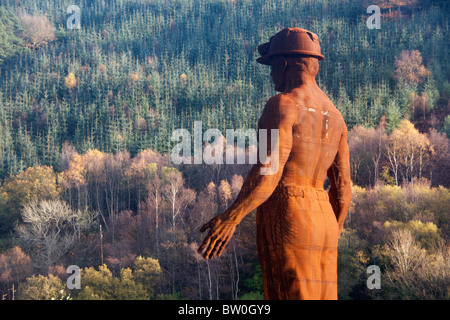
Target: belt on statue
297	191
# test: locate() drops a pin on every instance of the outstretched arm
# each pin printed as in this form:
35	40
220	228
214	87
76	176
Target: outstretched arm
279	113
340	193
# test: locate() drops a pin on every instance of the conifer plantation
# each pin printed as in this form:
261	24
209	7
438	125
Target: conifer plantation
86	121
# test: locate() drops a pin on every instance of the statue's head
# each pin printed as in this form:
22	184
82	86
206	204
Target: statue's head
292	52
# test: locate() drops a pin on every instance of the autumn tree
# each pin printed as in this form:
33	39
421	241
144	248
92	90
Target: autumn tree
73	179
206	206
178	196
49	229
409	69
115	167
419	105
438	162
366	153
70	81
413	273
38	30
15	266
372	207
141	170
225	195
406	149
153	204
67	153
121	240
236	184
37	182
426	234
92	170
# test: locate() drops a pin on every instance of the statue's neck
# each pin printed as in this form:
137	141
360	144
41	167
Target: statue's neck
303	80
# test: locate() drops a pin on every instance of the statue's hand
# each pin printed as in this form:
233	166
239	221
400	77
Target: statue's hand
220	232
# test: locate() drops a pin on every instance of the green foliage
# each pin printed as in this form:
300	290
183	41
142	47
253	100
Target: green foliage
144	68
11	44
147	272
372	207
432	93
252	296
169	296
254	284
39	287
393	116
102	285
352	263
447	126
96	285
137	284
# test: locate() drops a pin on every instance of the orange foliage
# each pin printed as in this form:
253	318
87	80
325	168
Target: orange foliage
409	69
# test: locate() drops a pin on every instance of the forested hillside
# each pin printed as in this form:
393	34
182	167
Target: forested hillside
86	118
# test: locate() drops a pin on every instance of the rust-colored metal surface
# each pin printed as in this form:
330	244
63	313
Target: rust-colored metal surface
298	222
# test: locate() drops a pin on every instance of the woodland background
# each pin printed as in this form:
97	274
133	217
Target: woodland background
86	118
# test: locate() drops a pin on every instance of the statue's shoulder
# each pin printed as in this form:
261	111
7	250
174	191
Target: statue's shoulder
280	98
278	107
280	103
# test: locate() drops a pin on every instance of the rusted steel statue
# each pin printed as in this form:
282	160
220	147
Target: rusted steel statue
298	222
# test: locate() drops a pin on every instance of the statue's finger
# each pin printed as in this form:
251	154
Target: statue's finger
204	243
222	246
210	247
205	226
216	247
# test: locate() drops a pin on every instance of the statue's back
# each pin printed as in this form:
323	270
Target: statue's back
316	137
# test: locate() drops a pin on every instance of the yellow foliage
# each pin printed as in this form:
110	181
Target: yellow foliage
148	272
119	138
391	191
224	192
183	78
141	169
151	168
70	81
427	234
362	257
408	141
75	175
38	181
211	188
357	189
130	285
134	77
167	171
102	68
39	287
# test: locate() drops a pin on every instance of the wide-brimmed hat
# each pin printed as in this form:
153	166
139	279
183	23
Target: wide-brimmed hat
290	41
